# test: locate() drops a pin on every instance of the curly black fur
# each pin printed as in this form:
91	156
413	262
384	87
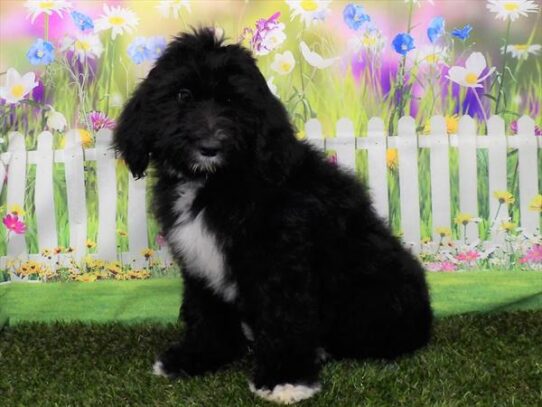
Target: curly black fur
307	261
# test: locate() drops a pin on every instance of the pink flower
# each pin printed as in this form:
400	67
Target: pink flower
442	266
533	255
13	224
160	240
332	159
468	256
100	121
514	128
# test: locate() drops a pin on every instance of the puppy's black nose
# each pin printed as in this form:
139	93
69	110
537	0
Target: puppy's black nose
209	151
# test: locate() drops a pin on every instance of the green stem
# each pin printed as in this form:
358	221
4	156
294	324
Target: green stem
112	50
46	34
503	70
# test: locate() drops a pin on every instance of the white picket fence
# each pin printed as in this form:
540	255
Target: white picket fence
345	143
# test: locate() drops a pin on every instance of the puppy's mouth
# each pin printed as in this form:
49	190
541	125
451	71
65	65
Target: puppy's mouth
207	164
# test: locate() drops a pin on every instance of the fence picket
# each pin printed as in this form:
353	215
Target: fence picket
107	196
43	197
497	174
407	146
376	162
440	176
528	174
137	219
468	195
74	169
313	132
344	144
16	189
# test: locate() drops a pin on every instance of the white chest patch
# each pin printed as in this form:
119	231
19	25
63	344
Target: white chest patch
197	245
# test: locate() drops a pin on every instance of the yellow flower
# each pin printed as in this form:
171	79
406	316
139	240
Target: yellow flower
46	253
15	209
90	244
452	125
392	158
443	232
85	136
426	240
536	203
114	267
86	278
148	253
58	250
508	226
122	233
504	197
463	219
300	135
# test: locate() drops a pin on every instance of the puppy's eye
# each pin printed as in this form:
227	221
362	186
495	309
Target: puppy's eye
184	95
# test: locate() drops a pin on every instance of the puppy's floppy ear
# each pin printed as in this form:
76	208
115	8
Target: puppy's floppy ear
132	137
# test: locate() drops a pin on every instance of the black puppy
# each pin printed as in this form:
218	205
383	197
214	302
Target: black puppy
276	245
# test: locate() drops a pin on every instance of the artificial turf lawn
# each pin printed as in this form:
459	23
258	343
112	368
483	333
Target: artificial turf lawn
473	360
158	300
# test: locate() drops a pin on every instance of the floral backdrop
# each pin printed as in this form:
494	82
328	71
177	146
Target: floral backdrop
71	65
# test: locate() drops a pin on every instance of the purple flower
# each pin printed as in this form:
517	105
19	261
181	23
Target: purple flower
403	43
514	128
100	121
267	36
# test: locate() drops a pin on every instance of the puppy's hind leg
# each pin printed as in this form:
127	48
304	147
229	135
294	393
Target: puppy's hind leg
213	335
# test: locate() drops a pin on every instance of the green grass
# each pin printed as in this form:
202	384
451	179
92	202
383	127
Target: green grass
158	300
473	360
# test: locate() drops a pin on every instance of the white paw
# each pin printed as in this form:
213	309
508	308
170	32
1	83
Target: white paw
286	393
158	369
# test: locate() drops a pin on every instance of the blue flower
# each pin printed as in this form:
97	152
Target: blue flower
156	46
146	49
403	43
41	53
138	50
354	16
82	21
462	33
435	29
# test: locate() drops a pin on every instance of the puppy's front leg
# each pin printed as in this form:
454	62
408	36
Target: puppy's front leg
286	341
213	336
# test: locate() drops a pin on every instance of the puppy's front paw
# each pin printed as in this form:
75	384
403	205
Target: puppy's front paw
286	393
158	369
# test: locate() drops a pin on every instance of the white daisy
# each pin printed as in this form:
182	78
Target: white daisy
522	51
273	39
511	9
283	63
118	19
314	59
432	55
55	120
84	46
17	86
309	10
37	7
173	7
371	40
470	75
